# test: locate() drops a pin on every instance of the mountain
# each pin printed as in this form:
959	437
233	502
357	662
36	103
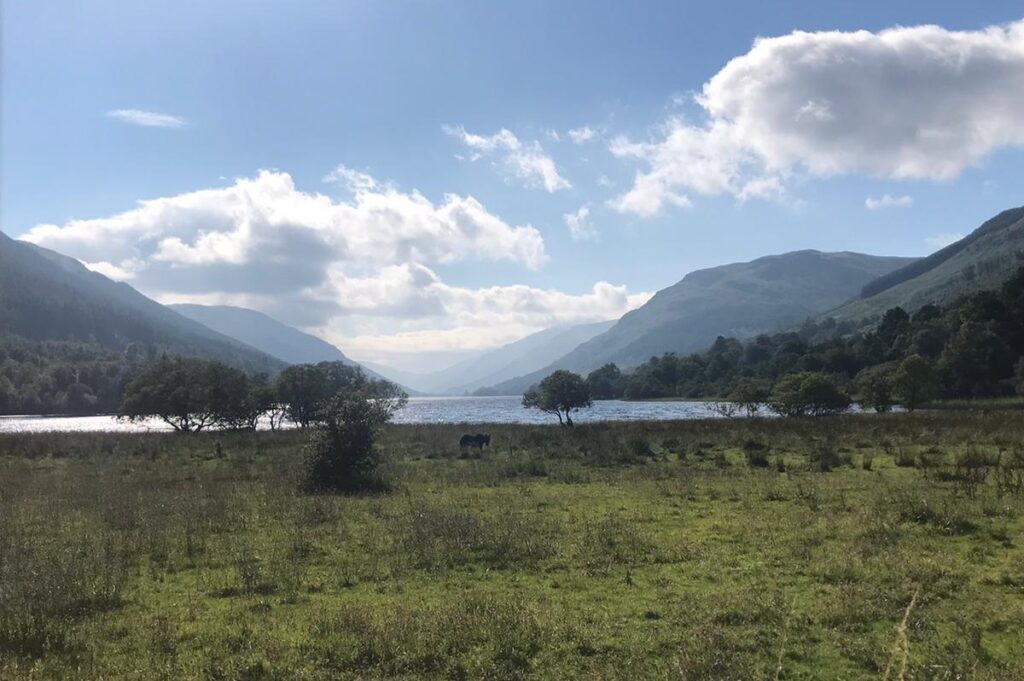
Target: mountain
510	360
266	333
522	356
739	300
46	296
982	260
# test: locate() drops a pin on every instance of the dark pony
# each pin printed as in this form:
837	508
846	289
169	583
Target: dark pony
480	440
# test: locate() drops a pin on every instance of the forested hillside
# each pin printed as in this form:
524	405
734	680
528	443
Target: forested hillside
983	259
972	347
70	336
740	299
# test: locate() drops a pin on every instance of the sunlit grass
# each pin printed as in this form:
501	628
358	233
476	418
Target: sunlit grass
648	550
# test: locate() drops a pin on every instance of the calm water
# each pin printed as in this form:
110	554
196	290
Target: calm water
419	410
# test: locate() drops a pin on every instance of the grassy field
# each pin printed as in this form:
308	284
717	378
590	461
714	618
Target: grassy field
861	547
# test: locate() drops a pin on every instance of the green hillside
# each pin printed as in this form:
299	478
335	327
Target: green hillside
981	260
62	325
739	300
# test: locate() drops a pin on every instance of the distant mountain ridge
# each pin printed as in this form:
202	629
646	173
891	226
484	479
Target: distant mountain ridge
259	330
46	296
505	362
267	334
739	300
982	260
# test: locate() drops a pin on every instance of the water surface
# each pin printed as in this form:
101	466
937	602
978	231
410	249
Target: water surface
418	410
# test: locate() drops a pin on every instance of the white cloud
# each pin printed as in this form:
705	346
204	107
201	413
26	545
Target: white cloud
526	161
888	201
249	220
147	119
579	224
905	103
942	240
475	318
353	180
360	268
582	134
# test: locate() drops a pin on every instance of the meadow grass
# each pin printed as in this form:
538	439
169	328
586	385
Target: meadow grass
858	547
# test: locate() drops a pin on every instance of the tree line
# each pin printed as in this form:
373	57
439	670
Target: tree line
192	395
970	348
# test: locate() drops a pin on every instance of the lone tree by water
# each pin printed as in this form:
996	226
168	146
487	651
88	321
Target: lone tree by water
190	395
561	393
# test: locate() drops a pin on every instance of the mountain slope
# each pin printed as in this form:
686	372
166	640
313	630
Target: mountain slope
510	360
740	300
46	296
982	260
266	333
513	359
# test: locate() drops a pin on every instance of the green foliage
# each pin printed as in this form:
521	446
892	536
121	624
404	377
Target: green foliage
606	383
304	388
561	393
973	344
750	395
189	394
875	388
915	382
807	393
341	456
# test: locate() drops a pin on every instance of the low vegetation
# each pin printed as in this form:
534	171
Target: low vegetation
849	547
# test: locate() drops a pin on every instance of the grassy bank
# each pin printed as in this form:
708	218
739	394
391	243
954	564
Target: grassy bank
858	547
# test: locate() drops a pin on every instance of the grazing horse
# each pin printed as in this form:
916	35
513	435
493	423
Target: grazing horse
479	441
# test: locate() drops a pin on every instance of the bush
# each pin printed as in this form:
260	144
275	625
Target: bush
341	455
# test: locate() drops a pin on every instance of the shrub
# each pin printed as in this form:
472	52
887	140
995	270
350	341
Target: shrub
341	455
971	469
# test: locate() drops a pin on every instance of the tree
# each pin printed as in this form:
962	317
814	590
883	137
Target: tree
561	393
875	387
915	382
807	393
229	395
174	390
79	399
305	388
341	456
606	383
301	388
260	399
749	394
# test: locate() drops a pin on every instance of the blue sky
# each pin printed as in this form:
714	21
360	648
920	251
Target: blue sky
441	235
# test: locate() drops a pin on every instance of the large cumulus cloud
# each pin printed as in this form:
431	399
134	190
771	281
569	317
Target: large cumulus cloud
905	103
362	266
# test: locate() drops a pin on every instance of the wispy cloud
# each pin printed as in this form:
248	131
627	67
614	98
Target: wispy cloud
581	135
147	119
579	224
888	201
527	161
